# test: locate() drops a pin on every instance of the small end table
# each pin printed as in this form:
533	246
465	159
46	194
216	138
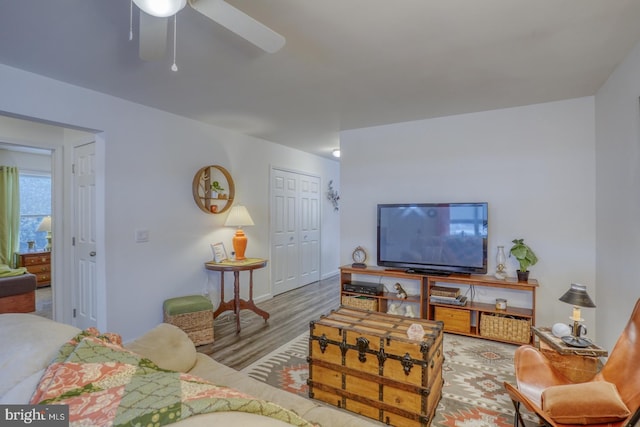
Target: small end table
237	304
576	363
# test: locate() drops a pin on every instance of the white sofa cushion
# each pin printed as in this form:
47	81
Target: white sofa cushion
167	346
22	392
34	341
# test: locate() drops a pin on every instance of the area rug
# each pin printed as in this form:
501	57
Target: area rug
472	395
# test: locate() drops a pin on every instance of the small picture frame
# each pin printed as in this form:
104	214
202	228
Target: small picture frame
219	252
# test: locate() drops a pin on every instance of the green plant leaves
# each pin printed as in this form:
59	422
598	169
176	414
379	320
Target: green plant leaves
523	253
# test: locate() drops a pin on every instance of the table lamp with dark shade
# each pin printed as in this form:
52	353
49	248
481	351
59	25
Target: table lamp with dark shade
239	217
577	296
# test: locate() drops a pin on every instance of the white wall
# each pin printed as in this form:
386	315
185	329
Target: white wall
150	158
618	197
534	165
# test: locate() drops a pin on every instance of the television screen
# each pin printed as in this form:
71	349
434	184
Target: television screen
433	237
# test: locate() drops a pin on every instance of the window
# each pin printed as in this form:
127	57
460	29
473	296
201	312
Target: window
35	204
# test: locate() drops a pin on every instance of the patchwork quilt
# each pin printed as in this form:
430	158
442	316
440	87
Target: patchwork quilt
105	384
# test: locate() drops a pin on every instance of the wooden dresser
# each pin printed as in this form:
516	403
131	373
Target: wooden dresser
38	263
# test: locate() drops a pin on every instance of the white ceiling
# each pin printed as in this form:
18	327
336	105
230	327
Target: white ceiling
346	64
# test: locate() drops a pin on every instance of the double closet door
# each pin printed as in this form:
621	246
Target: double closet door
295	230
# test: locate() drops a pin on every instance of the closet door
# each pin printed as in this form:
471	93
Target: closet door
309	232
284	237
295	230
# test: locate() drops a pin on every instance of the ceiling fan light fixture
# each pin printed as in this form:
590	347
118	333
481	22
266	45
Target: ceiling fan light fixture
161	8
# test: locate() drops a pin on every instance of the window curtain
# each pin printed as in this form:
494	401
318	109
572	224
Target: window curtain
9	213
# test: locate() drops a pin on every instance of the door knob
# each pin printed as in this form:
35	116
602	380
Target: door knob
92	253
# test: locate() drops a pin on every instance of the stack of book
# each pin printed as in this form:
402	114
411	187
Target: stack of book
447	295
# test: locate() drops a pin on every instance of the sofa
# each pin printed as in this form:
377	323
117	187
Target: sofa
31	342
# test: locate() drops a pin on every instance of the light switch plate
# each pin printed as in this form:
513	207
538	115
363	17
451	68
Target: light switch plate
142	236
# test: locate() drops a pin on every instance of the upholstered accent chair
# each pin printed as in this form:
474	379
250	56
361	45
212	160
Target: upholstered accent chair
611	398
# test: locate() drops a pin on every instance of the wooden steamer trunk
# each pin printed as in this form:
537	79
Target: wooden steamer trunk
364	362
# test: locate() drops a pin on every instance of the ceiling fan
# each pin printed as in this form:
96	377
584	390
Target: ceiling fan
155	19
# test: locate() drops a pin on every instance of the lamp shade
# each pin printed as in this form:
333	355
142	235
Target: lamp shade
45	224
238	217
577	295
161	8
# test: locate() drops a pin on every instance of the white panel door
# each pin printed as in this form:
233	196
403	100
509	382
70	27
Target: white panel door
84	296
284	241
309	232
295	230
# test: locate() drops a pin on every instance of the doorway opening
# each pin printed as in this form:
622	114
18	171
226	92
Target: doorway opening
21	139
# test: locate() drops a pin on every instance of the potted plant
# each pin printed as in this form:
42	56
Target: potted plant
525	256
216	190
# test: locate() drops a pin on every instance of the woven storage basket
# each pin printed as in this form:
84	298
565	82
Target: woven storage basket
505	328
360	302
198	324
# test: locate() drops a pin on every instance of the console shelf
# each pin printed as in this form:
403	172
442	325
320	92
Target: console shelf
489	308
390	296
463	320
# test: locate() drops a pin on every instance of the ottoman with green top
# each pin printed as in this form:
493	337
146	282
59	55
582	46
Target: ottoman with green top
193	314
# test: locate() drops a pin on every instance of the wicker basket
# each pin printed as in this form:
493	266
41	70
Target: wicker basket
198	324
364	303
505	328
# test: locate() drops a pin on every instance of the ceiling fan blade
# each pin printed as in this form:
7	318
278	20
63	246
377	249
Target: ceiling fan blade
153	37
240	23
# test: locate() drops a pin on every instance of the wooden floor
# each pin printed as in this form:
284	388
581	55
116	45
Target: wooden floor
290	314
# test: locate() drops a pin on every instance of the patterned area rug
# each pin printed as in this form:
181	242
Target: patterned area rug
473	370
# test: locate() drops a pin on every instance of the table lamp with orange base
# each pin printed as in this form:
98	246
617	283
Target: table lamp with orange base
239	217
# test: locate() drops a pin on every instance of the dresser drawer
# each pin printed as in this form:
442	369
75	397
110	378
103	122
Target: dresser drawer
455	320
43	278
38	268
34	259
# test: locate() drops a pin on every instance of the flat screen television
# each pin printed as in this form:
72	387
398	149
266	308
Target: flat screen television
433	238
